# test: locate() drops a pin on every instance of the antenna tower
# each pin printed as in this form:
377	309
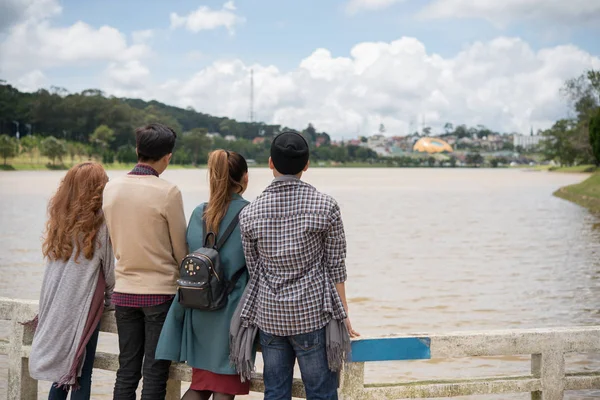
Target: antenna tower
251	96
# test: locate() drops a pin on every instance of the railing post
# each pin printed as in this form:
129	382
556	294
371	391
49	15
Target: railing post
536	372
20	385
173	390
553	374
352	382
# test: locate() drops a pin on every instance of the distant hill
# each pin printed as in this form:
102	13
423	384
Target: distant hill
74	116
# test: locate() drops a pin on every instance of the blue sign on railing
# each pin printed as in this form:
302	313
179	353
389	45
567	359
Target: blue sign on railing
391	349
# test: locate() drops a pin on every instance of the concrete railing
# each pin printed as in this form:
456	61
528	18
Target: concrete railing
547	347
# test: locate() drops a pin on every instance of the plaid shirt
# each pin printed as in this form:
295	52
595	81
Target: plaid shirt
141	300
295	250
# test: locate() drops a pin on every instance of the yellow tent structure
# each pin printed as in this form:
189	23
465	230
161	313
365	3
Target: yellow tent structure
432	145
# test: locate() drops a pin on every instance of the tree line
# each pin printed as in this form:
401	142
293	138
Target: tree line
576	140
61	125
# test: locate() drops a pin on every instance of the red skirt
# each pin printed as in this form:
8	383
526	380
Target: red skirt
218	383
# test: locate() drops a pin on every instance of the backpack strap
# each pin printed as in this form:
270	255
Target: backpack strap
229	229
236	277
204	229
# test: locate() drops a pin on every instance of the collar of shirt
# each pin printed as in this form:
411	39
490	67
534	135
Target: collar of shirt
286	178
143	169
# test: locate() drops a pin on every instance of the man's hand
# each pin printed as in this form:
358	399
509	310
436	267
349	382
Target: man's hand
352	332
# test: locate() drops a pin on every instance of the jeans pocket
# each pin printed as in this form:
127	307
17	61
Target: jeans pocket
265	339
308	341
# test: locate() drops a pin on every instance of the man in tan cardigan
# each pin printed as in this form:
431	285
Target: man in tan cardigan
147	227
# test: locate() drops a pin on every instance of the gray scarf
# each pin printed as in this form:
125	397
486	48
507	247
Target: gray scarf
242	337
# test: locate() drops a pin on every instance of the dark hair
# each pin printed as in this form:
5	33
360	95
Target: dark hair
225	172
154	141
289	153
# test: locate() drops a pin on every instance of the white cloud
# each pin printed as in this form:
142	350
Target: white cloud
32	81
503	84
229	6
506	11
140	37
354	6
44	46
123	77
204	19
13	12
35	44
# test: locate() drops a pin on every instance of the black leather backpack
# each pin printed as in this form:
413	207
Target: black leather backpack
202	283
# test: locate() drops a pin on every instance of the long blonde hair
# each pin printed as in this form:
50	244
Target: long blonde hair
74	213
226	170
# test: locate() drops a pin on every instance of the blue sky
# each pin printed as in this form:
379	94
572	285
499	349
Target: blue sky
380	61
284	32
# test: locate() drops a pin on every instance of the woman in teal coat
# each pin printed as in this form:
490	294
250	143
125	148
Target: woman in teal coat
201	338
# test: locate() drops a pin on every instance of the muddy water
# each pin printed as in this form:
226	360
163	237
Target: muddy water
428	251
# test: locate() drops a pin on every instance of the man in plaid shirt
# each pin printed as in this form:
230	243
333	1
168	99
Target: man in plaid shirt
295	250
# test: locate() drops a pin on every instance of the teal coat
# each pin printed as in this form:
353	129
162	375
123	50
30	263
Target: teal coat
201	338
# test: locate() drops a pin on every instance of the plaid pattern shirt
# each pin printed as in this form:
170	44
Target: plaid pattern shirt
141	300
295	248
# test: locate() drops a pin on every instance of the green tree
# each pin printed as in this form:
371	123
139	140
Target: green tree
30	144
595	135
453	161
72	150
310	134
197	142
474	159
54	149
9	147
126	154
448	127
584	93
102	137
558	142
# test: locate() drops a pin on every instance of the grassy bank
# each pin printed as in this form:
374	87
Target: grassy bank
586	193
40	163
573	169
66	166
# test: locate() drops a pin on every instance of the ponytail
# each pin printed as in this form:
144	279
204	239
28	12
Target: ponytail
225	172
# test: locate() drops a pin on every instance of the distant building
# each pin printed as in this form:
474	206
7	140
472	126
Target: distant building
213	135
381	151
258	140
230	138
527	142
376	141
432	145
321	140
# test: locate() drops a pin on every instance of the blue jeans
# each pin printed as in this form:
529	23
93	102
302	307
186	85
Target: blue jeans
280	354
85	380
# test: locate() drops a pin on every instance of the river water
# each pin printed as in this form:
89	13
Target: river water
429	250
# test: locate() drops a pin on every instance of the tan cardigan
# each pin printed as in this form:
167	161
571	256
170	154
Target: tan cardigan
147	228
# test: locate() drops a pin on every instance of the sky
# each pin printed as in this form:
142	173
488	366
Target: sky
346	66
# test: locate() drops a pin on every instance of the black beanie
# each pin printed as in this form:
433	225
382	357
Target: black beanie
289	153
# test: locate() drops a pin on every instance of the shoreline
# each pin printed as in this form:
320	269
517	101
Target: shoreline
580	169
585	194
128	166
